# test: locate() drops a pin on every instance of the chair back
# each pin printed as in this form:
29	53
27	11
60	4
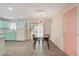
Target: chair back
33	36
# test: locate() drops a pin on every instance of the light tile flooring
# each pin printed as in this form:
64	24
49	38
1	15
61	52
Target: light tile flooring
14	48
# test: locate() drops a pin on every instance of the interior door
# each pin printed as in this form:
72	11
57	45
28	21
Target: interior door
70	31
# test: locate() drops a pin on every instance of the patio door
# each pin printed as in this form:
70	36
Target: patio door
70	31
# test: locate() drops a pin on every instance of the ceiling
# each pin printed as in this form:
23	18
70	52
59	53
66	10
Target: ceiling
29	10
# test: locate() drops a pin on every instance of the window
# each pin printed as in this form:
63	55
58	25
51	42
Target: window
13	26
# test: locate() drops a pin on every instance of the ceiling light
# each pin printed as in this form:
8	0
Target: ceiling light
9	8
5	16
21	16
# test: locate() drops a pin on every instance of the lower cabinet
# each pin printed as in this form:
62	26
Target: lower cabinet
10	35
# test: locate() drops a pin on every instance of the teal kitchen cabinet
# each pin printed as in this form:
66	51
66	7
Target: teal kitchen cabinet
4	24
20	24
10	35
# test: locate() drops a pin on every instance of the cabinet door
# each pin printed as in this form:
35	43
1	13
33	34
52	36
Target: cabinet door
70	31
20	24
4	24
10	35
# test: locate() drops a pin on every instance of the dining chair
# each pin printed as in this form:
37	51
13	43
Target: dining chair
46	39
37	39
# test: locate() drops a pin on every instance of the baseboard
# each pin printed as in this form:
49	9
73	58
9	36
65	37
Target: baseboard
56	45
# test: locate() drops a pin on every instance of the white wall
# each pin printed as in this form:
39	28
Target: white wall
57	31
28	30
47	26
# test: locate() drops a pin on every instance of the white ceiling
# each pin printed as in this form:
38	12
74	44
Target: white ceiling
28	10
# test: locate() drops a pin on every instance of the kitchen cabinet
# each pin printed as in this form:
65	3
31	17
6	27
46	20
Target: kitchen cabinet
10	35
4	24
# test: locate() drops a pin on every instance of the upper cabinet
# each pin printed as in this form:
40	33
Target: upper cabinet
20	24
4	24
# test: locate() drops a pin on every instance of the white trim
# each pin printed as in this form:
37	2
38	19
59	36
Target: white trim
56	45
77	29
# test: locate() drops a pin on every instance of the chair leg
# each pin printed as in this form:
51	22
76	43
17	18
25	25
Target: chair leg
34	44
48	43
43	42
39	43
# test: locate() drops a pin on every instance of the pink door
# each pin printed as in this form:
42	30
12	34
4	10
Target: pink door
70	31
